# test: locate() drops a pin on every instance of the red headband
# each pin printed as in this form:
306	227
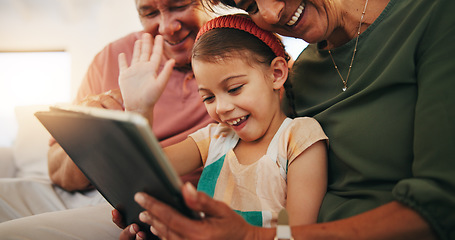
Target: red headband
242	22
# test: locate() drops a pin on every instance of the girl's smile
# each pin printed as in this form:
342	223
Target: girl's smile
238	121
240	95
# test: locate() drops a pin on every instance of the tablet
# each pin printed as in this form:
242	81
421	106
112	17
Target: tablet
119	154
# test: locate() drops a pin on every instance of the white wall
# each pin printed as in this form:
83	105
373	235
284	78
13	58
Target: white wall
81	27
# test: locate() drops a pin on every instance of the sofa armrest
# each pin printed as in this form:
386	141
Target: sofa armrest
7	166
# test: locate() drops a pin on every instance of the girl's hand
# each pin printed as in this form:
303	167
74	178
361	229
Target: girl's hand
142	83
219	222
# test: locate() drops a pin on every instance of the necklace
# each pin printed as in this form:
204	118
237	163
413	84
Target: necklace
345	81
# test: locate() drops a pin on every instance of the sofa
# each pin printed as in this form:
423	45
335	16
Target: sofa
28	155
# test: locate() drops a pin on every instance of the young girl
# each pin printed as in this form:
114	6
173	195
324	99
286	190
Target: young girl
255	158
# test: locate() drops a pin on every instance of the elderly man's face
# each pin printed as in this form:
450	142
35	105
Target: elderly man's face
178	21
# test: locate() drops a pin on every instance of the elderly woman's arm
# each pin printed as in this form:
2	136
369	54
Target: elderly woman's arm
390	221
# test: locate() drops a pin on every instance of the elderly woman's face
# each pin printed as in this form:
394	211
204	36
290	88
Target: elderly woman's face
178	21
310	20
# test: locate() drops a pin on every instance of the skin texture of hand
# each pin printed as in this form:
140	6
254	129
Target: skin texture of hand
62	170
390	221
220	222
129	232
111	99
142	83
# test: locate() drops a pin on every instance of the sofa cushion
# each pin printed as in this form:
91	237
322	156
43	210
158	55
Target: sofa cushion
31	144
7	166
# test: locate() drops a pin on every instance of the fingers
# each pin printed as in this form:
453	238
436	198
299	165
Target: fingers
146	48
143	53
131	233
219	220
158	228
115	94
156	57
110	100
117	219
166	72
161	216
136	52
201	202
142	49
122	64
157	52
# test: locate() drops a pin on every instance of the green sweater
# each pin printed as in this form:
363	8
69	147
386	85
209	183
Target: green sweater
392	133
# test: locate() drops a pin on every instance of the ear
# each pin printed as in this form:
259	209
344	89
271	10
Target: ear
280	70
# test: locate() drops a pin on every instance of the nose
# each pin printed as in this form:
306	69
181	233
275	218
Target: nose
168	24
270	10
223	106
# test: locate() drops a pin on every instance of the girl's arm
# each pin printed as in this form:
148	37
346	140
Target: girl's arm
307	184
184	156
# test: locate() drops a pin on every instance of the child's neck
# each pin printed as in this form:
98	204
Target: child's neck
249	152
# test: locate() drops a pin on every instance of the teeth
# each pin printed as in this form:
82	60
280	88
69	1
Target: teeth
234	122
296	15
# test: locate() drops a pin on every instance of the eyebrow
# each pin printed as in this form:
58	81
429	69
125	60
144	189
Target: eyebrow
144	8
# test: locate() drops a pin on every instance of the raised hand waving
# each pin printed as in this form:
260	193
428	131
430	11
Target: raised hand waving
143	82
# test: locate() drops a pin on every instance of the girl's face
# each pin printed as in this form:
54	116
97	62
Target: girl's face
178	21
242	96
310	20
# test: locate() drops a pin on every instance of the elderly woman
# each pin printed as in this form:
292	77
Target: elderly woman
378	75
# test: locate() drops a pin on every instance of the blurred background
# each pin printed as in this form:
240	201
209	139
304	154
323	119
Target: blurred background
47	45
